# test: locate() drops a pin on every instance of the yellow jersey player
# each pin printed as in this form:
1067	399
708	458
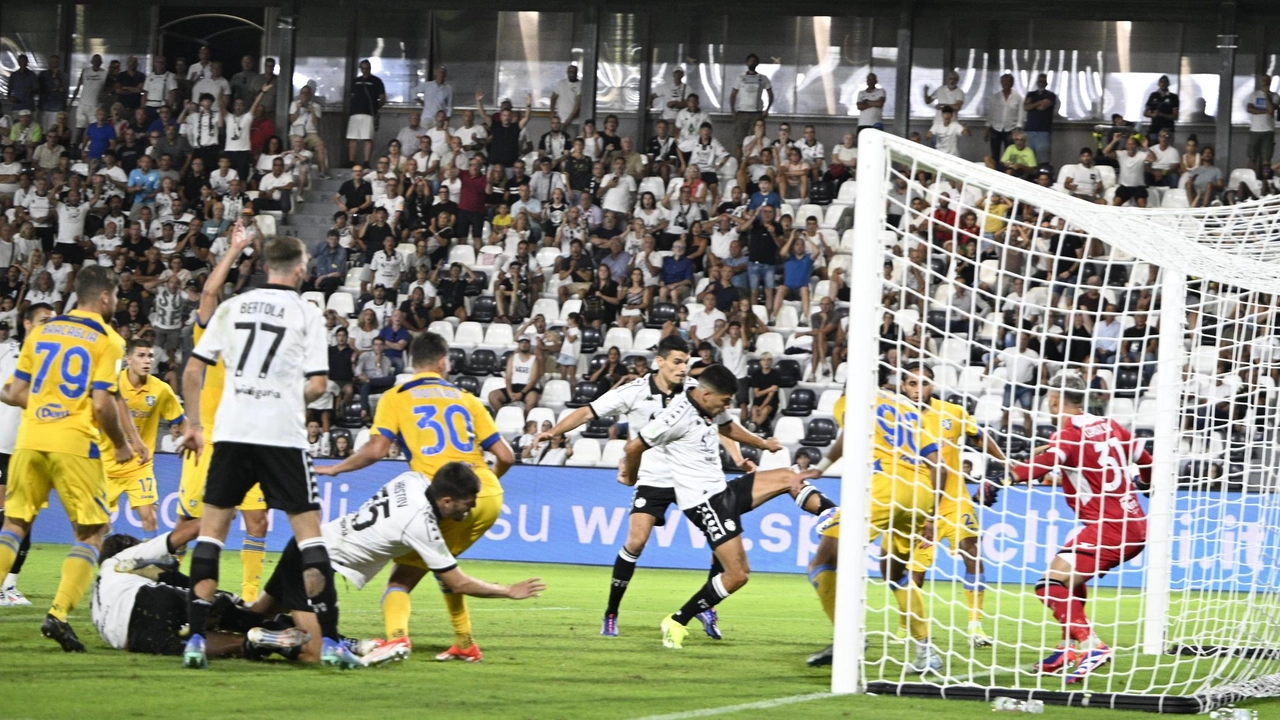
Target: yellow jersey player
195	470
65	382
435	423
957	519
148	398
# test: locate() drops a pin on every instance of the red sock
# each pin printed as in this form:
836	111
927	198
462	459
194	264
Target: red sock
1067	607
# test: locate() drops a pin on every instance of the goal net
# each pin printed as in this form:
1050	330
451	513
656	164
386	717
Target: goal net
1170	318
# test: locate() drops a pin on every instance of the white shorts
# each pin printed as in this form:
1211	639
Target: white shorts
360	127
85	115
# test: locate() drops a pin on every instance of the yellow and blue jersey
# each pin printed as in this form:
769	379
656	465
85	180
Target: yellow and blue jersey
211	390
64	361
900	441
435	423
148	402
950	423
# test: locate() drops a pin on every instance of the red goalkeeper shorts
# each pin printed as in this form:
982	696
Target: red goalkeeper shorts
1101	547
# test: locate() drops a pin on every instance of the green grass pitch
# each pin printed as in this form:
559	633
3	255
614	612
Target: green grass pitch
543	659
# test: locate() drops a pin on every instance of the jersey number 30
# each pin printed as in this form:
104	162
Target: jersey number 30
446	423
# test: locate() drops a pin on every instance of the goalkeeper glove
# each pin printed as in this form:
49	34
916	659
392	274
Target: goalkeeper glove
988	491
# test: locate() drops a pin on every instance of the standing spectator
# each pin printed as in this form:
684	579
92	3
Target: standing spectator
1162	108
437	96
751	98
245	84
266	77
167	315
764	237
202	67
1040	106
1132	163
53	91
160	88
213	84
1004	113
672	95
238	125
949	95
89	92
304	122
946	131
471	205
1261	106
689	122
764	383
871	105
24	86
566	100
504	134
368	95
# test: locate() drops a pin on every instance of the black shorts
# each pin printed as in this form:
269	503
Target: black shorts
72	253
4	469
1131	193
159	612
286	584
653	501
719	517
710	177
515	387
285	474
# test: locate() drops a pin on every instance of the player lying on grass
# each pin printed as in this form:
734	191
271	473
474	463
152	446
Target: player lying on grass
140	604
1098	456
687	434
402	518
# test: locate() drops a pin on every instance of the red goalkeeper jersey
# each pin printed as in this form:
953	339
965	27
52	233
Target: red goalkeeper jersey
1100	460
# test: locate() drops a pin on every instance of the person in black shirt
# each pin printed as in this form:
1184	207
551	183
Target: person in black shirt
504	135
451	291
1039	106
355	196
417	208
194	182
764	384
415	313
132	146
1066	271
131	291
368	95
443	205
1162	108
662	152
722	288
371	235
609	140
342	365
129	84
578	167
764	237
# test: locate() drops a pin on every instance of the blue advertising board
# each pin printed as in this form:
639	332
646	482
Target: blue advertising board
579	516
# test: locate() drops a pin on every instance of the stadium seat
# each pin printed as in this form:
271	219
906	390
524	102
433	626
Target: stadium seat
770	342
499	335
590	339
490	384
315	297
848	193
547	308
1204	360
464	254
646	340
1122	410
355	276
484	309
1246	176
989	410
618	337
342	303
800	403
510	420
502	362
540	415
651	185
470	383
350	415
813	453
842	373
789	372
847	239
362	437
596	362
468	334
775	460
660	314
834	219
827	402
788	318
547	257
573	305
612	454
484	361
586	453
583	394
808	211
820	432
266	225
955	351
788	430
457	360
599	427
443	328
555	394
477	287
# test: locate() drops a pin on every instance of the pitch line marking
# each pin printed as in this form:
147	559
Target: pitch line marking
761	705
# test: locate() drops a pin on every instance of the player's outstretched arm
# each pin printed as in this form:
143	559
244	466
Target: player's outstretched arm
504	457
572	421
369	453
736	432
463	584
635	448
834	454
212	293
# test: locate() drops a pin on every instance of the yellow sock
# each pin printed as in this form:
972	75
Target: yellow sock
900	594
823	579
8	551
911	603
77	573
252	554
974	599
395	612
461	619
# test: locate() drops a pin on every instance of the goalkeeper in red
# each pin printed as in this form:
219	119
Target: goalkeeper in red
1100	461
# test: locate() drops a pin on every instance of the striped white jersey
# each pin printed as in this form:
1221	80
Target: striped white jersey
688	439
640	401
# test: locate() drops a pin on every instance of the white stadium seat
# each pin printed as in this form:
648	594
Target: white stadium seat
499	335
848	193
541	414
775	460
510	420
443	328
619	338
547	308
568	308
789	430
645	339
612	454
464	254
586	453
343	304
770	342
827	402
469	334
315	297
808	211
490	384
555	394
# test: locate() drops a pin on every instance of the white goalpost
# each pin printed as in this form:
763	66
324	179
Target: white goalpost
1171	317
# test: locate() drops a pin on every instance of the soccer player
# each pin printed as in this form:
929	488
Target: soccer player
275	348
191	489
403	518
65	382
147	398
687	435
435	423
956	520
10	418
1099	457
640	401
140	605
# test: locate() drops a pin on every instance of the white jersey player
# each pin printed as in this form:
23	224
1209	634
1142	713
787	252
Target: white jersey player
401	518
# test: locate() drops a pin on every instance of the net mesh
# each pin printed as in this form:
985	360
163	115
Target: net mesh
1000	284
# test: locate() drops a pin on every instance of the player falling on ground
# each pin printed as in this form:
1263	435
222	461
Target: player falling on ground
191	489
956	521
148	398
10	418
275	348
908	478
1098	456
640	401
687	434
403	518
66	382
434	422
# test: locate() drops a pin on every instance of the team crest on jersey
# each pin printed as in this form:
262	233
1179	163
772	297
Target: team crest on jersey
946	424
151	401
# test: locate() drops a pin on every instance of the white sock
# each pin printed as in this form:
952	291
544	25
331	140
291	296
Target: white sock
1092	643
10	581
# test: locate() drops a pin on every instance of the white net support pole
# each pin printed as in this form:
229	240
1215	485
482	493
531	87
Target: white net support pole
863	363
1164	470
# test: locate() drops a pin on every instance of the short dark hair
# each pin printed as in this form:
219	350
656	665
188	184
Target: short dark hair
115	544
672	343
719	379
455	480
136	343
919	367
428	349
284	253
30	313
94	280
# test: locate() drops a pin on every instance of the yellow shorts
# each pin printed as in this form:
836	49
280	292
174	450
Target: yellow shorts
957	521
81	483
191	488
463	534
899	509
831	528
140	491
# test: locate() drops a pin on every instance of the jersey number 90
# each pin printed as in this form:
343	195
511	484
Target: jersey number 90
899	430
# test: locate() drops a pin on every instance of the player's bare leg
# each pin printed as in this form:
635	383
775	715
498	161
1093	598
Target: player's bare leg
204	580
1063	590
974	588
77	574
639	527
822	575
253	552
317	578
184	531
910	601
769	484
732	556
147	516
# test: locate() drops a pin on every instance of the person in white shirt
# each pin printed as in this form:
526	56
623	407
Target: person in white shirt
275	190
1165	161
813	152
474	136
391	201
723	236
200	69
89	92
1083	180
304	122
213	84
949	95
1132	176
107	244
437	96
618	189
161	87
72	213
566	99
59	270
220	179
751	98
1261	108
1004	113
688	121
671	96
440	132
172	443
946	132
237	124
426	161
703	322
870	103
1022	368
387	266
